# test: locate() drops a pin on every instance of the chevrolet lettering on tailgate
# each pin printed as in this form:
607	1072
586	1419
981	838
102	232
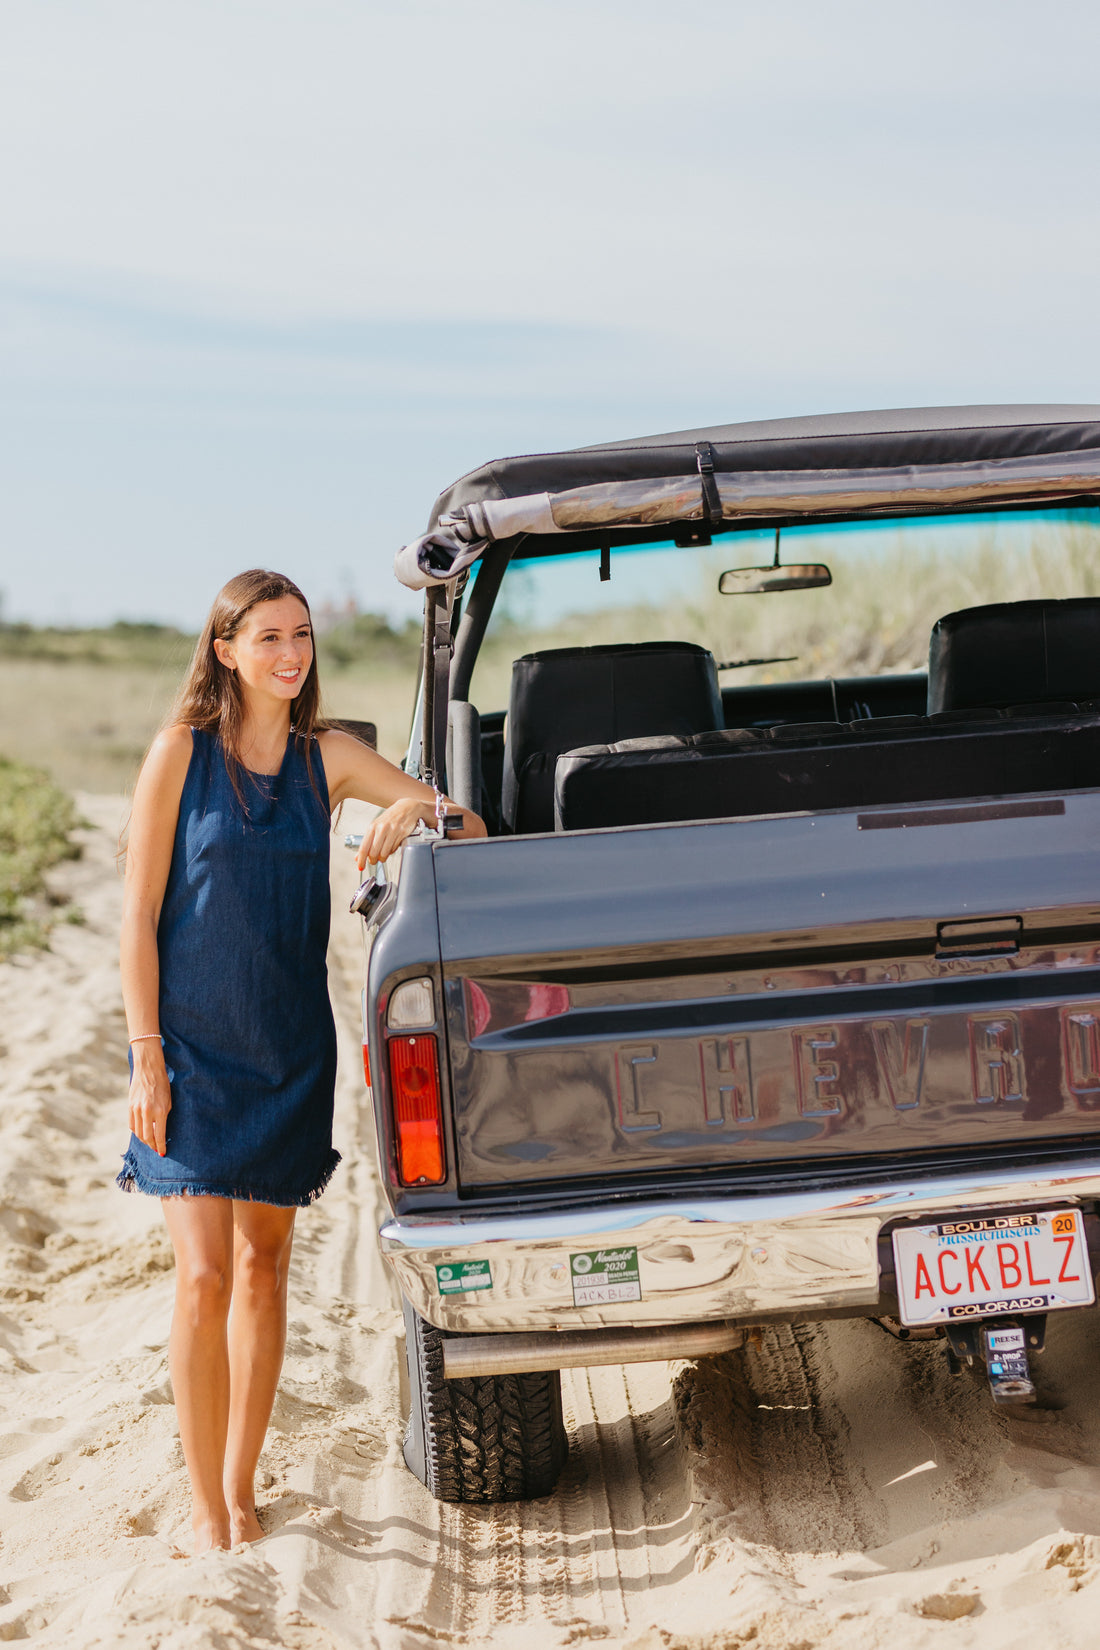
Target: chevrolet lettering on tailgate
548	1095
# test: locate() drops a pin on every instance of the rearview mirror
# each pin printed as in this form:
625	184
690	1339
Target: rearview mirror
755	581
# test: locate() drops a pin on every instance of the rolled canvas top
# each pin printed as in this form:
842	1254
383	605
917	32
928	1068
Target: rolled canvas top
841	465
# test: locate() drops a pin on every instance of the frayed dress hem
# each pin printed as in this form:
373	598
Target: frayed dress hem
132	1178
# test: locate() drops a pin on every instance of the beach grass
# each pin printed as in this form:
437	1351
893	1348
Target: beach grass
37	821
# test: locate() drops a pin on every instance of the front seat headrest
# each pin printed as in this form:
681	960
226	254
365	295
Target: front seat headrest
569	696
1015	653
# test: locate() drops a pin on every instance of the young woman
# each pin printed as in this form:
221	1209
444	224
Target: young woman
232	1043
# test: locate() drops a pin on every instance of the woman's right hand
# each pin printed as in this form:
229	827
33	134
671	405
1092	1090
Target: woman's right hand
150	1096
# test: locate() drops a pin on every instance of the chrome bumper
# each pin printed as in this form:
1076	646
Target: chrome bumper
698	1260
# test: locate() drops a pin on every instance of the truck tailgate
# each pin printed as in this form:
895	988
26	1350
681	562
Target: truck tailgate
744	995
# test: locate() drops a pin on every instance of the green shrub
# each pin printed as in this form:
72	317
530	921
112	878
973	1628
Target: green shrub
36	824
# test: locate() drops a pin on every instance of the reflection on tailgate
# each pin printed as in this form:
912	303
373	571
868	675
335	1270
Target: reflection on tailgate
550	1098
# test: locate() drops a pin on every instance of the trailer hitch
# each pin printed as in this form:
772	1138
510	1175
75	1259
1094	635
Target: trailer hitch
1003	1346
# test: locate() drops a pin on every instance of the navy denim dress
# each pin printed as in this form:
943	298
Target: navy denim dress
245	1015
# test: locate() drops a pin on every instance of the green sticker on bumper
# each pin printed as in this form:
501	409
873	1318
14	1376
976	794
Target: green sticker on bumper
462	1275
601	1276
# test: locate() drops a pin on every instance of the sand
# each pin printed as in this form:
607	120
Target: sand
827	1487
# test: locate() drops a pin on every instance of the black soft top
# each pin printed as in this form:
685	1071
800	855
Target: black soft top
831	441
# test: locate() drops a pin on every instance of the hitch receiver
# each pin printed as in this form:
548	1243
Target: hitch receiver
1003	1347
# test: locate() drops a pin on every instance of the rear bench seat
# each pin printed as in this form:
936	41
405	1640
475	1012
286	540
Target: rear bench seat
977	742
805	768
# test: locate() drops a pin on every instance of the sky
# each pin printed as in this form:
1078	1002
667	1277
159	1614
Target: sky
274	274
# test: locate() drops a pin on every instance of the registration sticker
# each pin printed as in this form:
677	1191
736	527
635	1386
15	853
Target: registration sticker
601	1276
992	1266
461	1275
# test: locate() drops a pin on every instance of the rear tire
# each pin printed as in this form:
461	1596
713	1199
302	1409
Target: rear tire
496	1438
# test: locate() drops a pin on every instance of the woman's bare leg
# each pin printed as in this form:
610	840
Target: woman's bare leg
201	1229
262	1239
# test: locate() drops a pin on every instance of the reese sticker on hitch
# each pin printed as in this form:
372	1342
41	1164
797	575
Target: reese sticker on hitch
462	1275
604	1275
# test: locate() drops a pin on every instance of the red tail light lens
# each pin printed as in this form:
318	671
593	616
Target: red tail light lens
418	1120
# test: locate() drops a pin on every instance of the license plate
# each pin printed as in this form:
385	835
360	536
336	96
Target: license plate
1002	1264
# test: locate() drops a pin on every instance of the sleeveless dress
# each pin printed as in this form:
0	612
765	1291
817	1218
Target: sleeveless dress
245	1016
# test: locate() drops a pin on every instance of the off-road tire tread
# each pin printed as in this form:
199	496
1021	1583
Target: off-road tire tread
494	1438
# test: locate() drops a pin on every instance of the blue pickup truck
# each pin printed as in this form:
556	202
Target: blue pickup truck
774	993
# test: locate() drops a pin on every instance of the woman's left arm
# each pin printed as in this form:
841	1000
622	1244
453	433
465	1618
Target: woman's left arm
352	769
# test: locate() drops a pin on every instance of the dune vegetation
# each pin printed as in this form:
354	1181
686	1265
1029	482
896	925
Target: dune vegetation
37	821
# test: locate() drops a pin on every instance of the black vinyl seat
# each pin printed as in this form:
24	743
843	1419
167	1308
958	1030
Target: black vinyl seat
903	759
1015	653
1013	693
569	696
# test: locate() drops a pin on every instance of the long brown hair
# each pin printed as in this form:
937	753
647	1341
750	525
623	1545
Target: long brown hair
210	694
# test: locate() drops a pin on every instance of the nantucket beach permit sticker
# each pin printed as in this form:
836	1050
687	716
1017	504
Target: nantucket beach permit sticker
605	1275
462	1275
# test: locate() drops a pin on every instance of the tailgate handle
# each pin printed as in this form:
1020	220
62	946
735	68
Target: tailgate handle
979	937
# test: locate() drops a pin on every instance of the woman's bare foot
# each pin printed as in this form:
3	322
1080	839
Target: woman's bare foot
212	1535
244	1525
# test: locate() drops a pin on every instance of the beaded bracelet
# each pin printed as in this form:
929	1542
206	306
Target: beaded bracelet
146	1037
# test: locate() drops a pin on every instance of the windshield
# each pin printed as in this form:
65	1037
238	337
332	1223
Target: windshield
891	581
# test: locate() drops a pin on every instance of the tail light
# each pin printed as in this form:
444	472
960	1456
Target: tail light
366	1068
417	1116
